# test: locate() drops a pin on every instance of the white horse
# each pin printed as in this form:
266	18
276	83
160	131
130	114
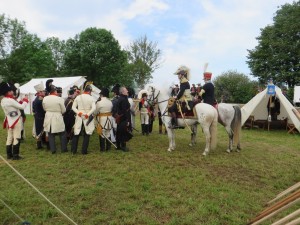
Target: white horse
207	117
228	115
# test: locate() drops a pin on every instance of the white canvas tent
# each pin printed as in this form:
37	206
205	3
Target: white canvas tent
257	107
64	82
296	94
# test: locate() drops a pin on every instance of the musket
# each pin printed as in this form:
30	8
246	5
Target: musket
103	135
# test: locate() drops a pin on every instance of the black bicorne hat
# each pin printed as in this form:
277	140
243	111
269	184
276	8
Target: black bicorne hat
104	92
116	89
48	84
6	87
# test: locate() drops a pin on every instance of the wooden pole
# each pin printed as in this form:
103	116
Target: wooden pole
287	218
287	191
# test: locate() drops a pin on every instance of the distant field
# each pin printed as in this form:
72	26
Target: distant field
149	185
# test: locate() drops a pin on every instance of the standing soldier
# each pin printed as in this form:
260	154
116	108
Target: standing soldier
104	119
208	90
83	106
54	122
124	121
69	116
144	113
39	114
13	120
115	90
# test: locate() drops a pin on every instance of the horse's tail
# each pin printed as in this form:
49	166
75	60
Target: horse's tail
213	132
236	124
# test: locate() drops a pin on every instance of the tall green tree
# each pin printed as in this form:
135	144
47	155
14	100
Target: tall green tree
145	58
95	53
234	87
277	54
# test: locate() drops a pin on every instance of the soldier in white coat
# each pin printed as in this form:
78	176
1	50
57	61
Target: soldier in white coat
54	122
84	107
104	119
13	120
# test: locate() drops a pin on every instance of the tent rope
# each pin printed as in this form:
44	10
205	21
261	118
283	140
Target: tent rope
17	172
7	206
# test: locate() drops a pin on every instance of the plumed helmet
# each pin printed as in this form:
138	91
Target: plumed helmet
142	93
39	87
116	89
207	75
5	87
48	84
183	70
52	88
104	92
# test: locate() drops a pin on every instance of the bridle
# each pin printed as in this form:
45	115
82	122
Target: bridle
154	97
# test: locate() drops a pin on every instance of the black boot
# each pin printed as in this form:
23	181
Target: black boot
143	129
160	129
118	145
85	144
173	121
16	151
9	152
39	145
22	135
146	129
108	144
75	140
123	147
102	143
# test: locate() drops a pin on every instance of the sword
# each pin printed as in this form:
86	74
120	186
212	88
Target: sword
102	135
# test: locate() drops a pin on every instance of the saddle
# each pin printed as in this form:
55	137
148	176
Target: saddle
182	110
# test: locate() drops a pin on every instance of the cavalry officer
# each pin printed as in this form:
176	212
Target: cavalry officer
54	122
184	94
144	113
39	113
13	120
208	90
104	119
83	106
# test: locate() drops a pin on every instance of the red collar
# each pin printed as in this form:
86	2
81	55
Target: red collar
9	96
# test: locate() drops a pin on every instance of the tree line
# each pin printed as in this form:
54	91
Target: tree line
96	54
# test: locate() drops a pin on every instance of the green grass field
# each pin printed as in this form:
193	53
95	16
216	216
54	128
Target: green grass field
149	185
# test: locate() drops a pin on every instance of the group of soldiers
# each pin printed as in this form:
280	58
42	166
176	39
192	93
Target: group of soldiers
68	118
79	114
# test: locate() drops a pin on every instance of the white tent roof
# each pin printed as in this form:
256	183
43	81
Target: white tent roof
257	107
64	82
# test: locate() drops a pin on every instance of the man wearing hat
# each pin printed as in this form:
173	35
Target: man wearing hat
208	90
54	122
184	94
116	94
13	120
144	108
104	120
39	113
69	116
84	107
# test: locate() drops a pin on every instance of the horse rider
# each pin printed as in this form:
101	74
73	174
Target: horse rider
104	119
54	121
184	94
208	90
39	114
83	106
13	120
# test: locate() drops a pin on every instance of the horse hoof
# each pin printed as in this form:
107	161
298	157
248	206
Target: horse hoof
169	150
190	144
228	150
204	153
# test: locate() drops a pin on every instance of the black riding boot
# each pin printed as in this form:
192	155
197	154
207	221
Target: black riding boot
146	129
16	151
9	152
102	144
173	121
75	140
108	144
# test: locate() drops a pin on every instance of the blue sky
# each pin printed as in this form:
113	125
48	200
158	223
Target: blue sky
189	32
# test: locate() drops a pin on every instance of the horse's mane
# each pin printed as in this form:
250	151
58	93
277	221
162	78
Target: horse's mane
164	90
